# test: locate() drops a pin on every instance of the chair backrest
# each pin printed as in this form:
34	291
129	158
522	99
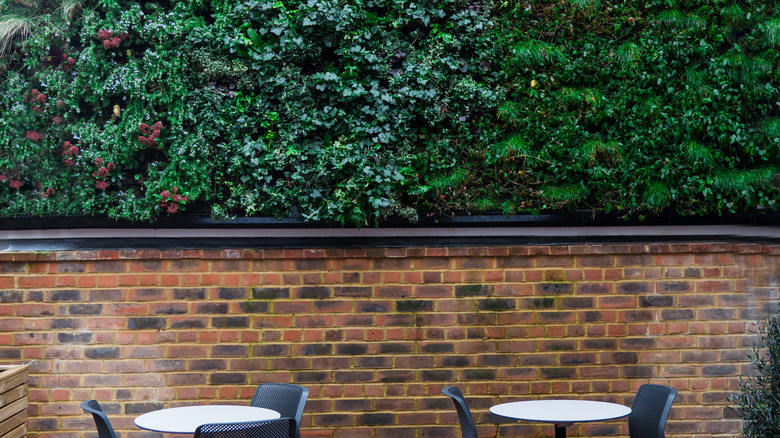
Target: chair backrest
467	427
101	419
285	398
650	410
278	428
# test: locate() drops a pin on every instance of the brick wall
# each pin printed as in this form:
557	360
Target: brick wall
376	333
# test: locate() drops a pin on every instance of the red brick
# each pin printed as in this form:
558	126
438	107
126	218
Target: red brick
670	345
36	282
713	286
189	280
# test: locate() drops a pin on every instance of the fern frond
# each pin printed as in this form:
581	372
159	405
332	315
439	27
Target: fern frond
607	152
698	155
772	32
678	20
770	129
733	14
69	8
696	81
657	197
12	27
741	180
628	54
750	72
508	208
509	112
483	204
513	147
560	196
535	52
451	180
756	68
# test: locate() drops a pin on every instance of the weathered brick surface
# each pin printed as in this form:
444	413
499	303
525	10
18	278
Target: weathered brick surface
376	333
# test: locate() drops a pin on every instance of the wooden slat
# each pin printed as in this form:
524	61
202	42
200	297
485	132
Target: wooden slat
11	378
13	401
13	408
13	395
12	423
19	432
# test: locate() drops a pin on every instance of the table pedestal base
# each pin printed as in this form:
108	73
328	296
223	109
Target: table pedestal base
560	429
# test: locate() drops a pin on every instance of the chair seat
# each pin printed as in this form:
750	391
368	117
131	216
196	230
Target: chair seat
285	398
467	427
277	428
104	428
650	411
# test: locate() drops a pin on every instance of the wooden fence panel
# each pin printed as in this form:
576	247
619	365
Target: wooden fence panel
13	401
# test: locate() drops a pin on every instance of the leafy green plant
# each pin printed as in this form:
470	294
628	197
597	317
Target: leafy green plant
351	112
643	107
758	399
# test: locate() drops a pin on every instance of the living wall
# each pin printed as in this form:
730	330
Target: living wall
354	111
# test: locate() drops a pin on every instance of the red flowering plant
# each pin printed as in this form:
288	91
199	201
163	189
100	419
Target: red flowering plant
13	182
111	40
37	100
69	153
102	173
150	135
34	136
67	61
172	201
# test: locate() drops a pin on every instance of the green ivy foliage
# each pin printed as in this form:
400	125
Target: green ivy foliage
633	108
342	97
350	112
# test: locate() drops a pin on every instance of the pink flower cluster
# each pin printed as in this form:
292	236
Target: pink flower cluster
13	182
150	135
34	136
68	61
102	173
111	41
69	153
38	100
170	202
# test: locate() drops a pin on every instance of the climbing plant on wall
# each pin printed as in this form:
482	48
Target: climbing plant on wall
630	107
350	112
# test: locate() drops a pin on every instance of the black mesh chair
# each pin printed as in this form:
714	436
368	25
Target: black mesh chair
467	427
285	398
650	410
101	419
278	428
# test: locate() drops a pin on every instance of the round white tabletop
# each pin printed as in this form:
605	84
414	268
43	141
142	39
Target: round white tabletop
186	419
561	412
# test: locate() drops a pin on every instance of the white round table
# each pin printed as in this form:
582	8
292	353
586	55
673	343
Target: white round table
186	419
562	413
